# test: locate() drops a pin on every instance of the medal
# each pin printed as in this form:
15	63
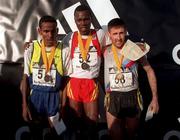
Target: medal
119	76
84	50
47	78
122	80
85	66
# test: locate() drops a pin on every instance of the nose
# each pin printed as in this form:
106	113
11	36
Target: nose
50	34
118	36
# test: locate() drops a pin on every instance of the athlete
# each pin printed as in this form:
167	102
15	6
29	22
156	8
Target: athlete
46	62
83	87
123	99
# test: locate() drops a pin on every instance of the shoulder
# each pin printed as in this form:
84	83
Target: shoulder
67	38
100	32
143	60
106	49
30	47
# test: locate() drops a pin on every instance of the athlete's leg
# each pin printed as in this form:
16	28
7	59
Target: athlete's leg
91	110
75	118
91	114
75	111
132	125
115	127
76	107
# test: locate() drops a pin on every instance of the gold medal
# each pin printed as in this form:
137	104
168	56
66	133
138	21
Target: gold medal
48	78
47	60
122	80
119	76
84	49
85	66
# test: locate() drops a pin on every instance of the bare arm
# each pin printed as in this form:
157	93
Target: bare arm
25	90
154	106
24	87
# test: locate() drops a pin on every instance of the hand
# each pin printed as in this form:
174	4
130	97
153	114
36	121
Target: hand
26	44
154	106
141	46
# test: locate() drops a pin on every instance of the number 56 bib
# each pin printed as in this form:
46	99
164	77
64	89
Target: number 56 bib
125	80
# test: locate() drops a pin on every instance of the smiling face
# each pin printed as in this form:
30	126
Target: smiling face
117	35
48	32
83	21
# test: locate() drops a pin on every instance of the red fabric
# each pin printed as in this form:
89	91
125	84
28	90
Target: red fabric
83	90
95	43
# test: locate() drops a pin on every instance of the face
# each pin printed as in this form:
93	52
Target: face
48	32
83	22
117	36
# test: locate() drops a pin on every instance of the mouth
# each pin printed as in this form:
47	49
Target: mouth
84	27
50	42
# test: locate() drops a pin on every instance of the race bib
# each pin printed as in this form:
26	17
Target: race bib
117	82
42	79
78	63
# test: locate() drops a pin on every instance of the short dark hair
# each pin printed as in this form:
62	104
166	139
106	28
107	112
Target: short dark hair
47	18
82	7
116	22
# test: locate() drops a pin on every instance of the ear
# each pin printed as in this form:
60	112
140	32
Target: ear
108	33
39	30
126	36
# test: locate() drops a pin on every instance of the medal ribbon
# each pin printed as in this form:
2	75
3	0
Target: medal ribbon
84	50
118	61
47	61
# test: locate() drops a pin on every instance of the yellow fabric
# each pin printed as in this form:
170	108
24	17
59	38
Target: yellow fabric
57	56
47	60
140	100
84	49
107	101
116	59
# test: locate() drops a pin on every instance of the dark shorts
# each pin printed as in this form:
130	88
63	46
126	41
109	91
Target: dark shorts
125	104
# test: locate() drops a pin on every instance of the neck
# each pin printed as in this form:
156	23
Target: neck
49	45
85	32
118	47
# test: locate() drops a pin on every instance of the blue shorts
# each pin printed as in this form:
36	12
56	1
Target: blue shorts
44	103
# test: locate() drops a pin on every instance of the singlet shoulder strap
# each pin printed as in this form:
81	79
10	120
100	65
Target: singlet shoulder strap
74	42
95	42
36	54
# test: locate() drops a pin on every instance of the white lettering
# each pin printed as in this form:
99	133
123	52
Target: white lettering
20	131
175	54
170	134
103	10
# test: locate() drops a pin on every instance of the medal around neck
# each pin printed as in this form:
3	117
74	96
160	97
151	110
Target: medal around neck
85	66
47	78
119	76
